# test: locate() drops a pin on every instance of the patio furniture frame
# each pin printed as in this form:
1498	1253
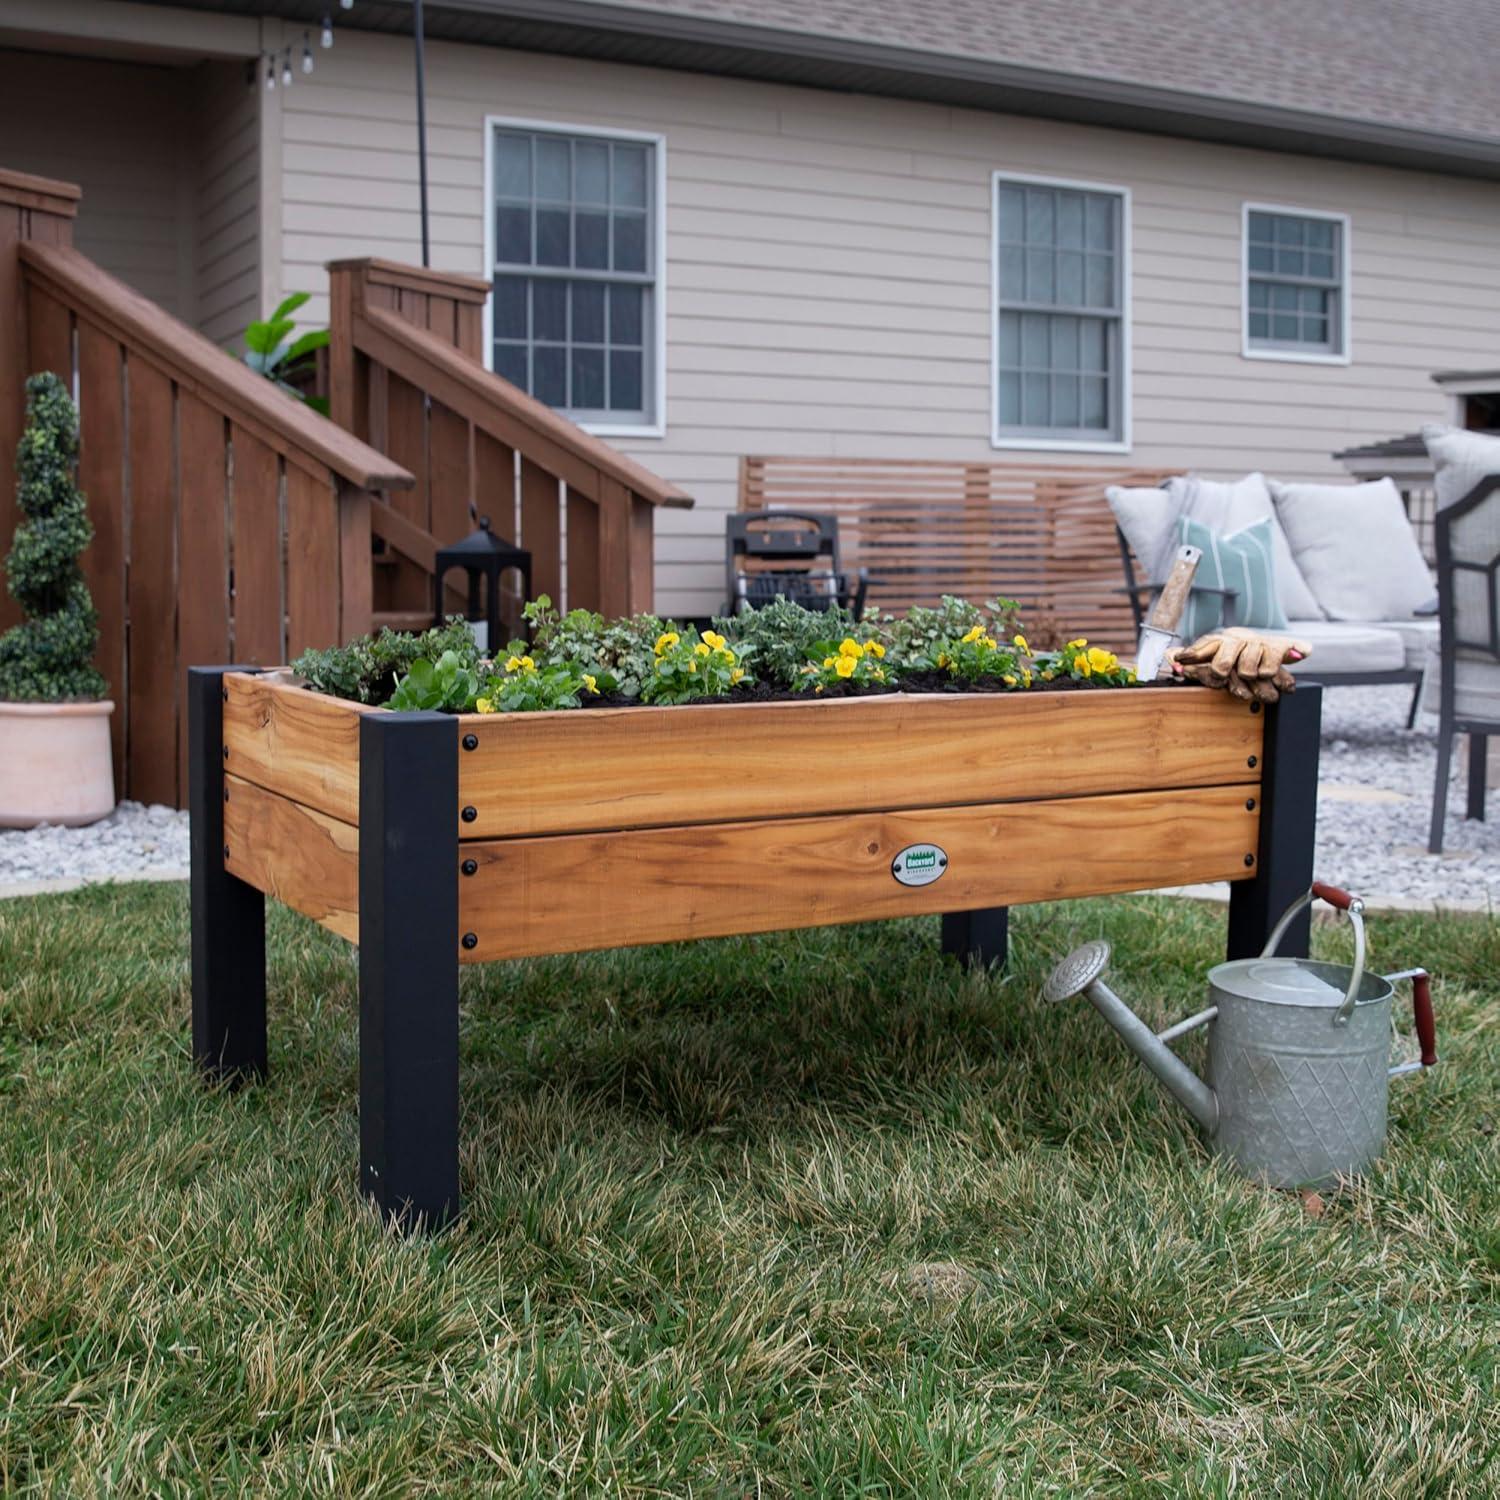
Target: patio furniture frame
433	840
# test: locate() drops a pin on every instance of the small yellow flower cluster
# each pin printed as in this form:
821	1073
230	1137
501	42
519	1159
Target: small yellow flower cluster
485	706
666	641
845	664
977	634
518	664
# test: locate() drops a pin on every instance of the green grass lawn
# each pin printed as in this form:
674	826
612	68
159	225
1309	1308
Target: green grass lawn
701	1185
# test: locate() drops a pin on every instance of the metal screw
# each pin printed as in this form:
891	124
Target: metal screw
1249	860
469	866
1255	706
224	694
226	752
1252	762
1249	804
226	851
226	794
469	814
471	742
470	941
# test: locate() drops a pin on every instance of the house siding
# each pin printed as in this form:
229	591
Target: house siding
828	266
115	129
226	226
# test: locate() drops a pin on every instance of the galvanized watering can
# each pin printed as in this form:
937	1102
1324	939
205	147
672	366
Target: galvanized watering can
1298	1052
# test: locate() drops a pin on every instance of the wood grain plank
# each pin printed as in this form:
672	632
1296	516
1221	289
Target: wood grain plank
202	548
14	364
312	563
101	474
638	767
258	603
407	443
302	857
541	530
356	570
294	742
152	704
642	564
611	890
49	331
585	573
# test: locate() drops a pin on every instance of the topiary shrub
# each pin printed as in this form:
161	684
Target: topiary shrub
49	657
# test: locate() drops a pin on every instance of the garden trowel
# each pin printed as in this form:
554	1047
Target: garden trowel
1162	628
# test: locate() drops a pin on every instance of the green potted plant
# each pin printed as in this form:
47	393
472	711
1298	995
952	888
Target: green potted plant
54	717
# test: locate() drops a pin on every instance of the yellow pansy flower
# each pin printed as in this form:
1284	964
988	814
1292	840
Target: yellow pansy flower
973	635
1026	676
1008	680
736	675
724	654
876	648
666	640
693	665
1078	645
879	674
827	662
1102	661
591	682
1048	675
483	706
714	639
992	643
1082	667
513	664
701	649
851	648
944	660
1019	642
845	666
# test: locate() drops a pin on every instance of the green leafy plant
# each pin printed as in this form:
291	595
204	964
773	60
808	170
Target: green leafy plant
526	687
978	656
1084	663
849	663
287	361
783	636
690	667
449	685
49	656
368	669
621	650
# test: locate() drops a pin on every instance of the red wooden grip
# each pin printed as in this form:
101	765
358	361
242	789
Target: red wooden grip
1426	1024
1333	895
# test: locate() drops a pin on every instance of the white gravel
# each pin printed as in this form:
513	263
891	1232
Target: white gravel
1375	797
133	843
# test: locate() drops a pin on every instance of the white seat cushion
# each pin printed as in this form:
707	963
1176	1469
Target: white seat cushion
1356	549
1477	695
1342	646
1461	459
1419	637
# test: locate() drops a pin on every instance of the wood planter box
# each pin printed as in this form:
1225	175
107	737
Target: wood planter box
433	840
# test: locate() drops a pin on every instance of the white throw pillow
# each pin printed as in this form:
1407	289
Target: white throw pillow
1148	517
1356	549
1228	507
1461	459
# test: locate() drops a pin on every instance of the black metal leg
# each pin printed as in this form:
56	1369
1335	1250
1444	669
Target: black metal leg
1288	828
1440	784
1416	704
1478	772
228	916
408	966
977	939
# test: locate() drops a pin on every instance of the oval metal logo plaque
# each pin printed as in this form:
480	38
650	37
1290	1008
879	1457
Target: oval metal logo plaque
919	864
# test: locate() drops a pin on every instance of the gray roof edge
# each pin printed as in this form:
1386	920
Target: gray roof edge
699	42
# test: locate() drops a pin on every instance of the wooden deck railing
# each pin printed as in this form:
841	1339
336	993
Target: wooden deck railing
405	373
231	523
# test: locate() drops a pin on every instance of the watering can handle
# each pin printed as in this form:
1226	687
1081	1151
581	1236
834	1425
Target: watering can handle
1352	905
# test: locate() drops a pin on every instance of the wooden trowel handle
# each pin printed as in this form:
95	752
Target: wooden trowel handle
1167	613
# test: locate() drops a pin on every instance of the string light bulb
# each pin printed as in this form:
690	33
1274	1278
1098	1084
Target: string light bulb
286	69
327	37
346	4
307	57
271	74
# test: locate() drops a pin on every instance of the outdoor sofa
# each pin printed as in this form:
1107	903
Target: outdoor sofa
1345	572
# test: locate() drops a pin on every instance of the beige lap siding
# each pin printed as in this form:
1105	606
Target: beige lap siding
828	265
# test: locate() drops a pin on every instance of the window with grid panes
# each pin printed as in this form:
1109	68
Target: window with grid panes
1294	265
1060	280
575	273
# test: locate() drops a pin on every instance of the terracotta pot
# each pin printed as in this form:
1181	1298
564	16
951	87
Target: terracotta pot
55	764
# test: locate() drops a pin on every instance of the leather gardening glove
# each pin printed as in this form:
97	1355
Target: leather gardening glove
1246	662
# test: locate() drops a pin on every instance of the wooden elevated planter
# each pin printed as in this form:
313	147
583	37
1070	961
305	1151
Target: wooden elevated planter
433	840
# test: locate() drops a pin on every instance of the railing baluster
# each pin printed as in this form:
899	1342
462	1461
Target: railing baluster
541	529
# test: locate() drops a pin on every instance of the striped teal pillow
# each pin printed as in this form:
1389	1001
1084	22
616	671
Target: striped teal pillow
1240	560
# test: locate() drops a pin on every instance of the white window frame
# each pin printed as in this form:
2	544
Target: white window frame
1345	352
657	342
1060	445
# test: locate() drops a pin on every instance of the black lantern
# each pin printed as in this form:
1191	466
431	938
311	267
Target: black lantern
481	555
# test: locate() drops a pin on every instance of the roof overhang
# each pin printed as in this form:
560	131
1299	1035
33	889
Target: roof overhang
635	33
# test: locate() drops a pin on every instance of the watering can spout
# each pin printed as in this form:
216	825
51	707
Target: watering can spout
1080	974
